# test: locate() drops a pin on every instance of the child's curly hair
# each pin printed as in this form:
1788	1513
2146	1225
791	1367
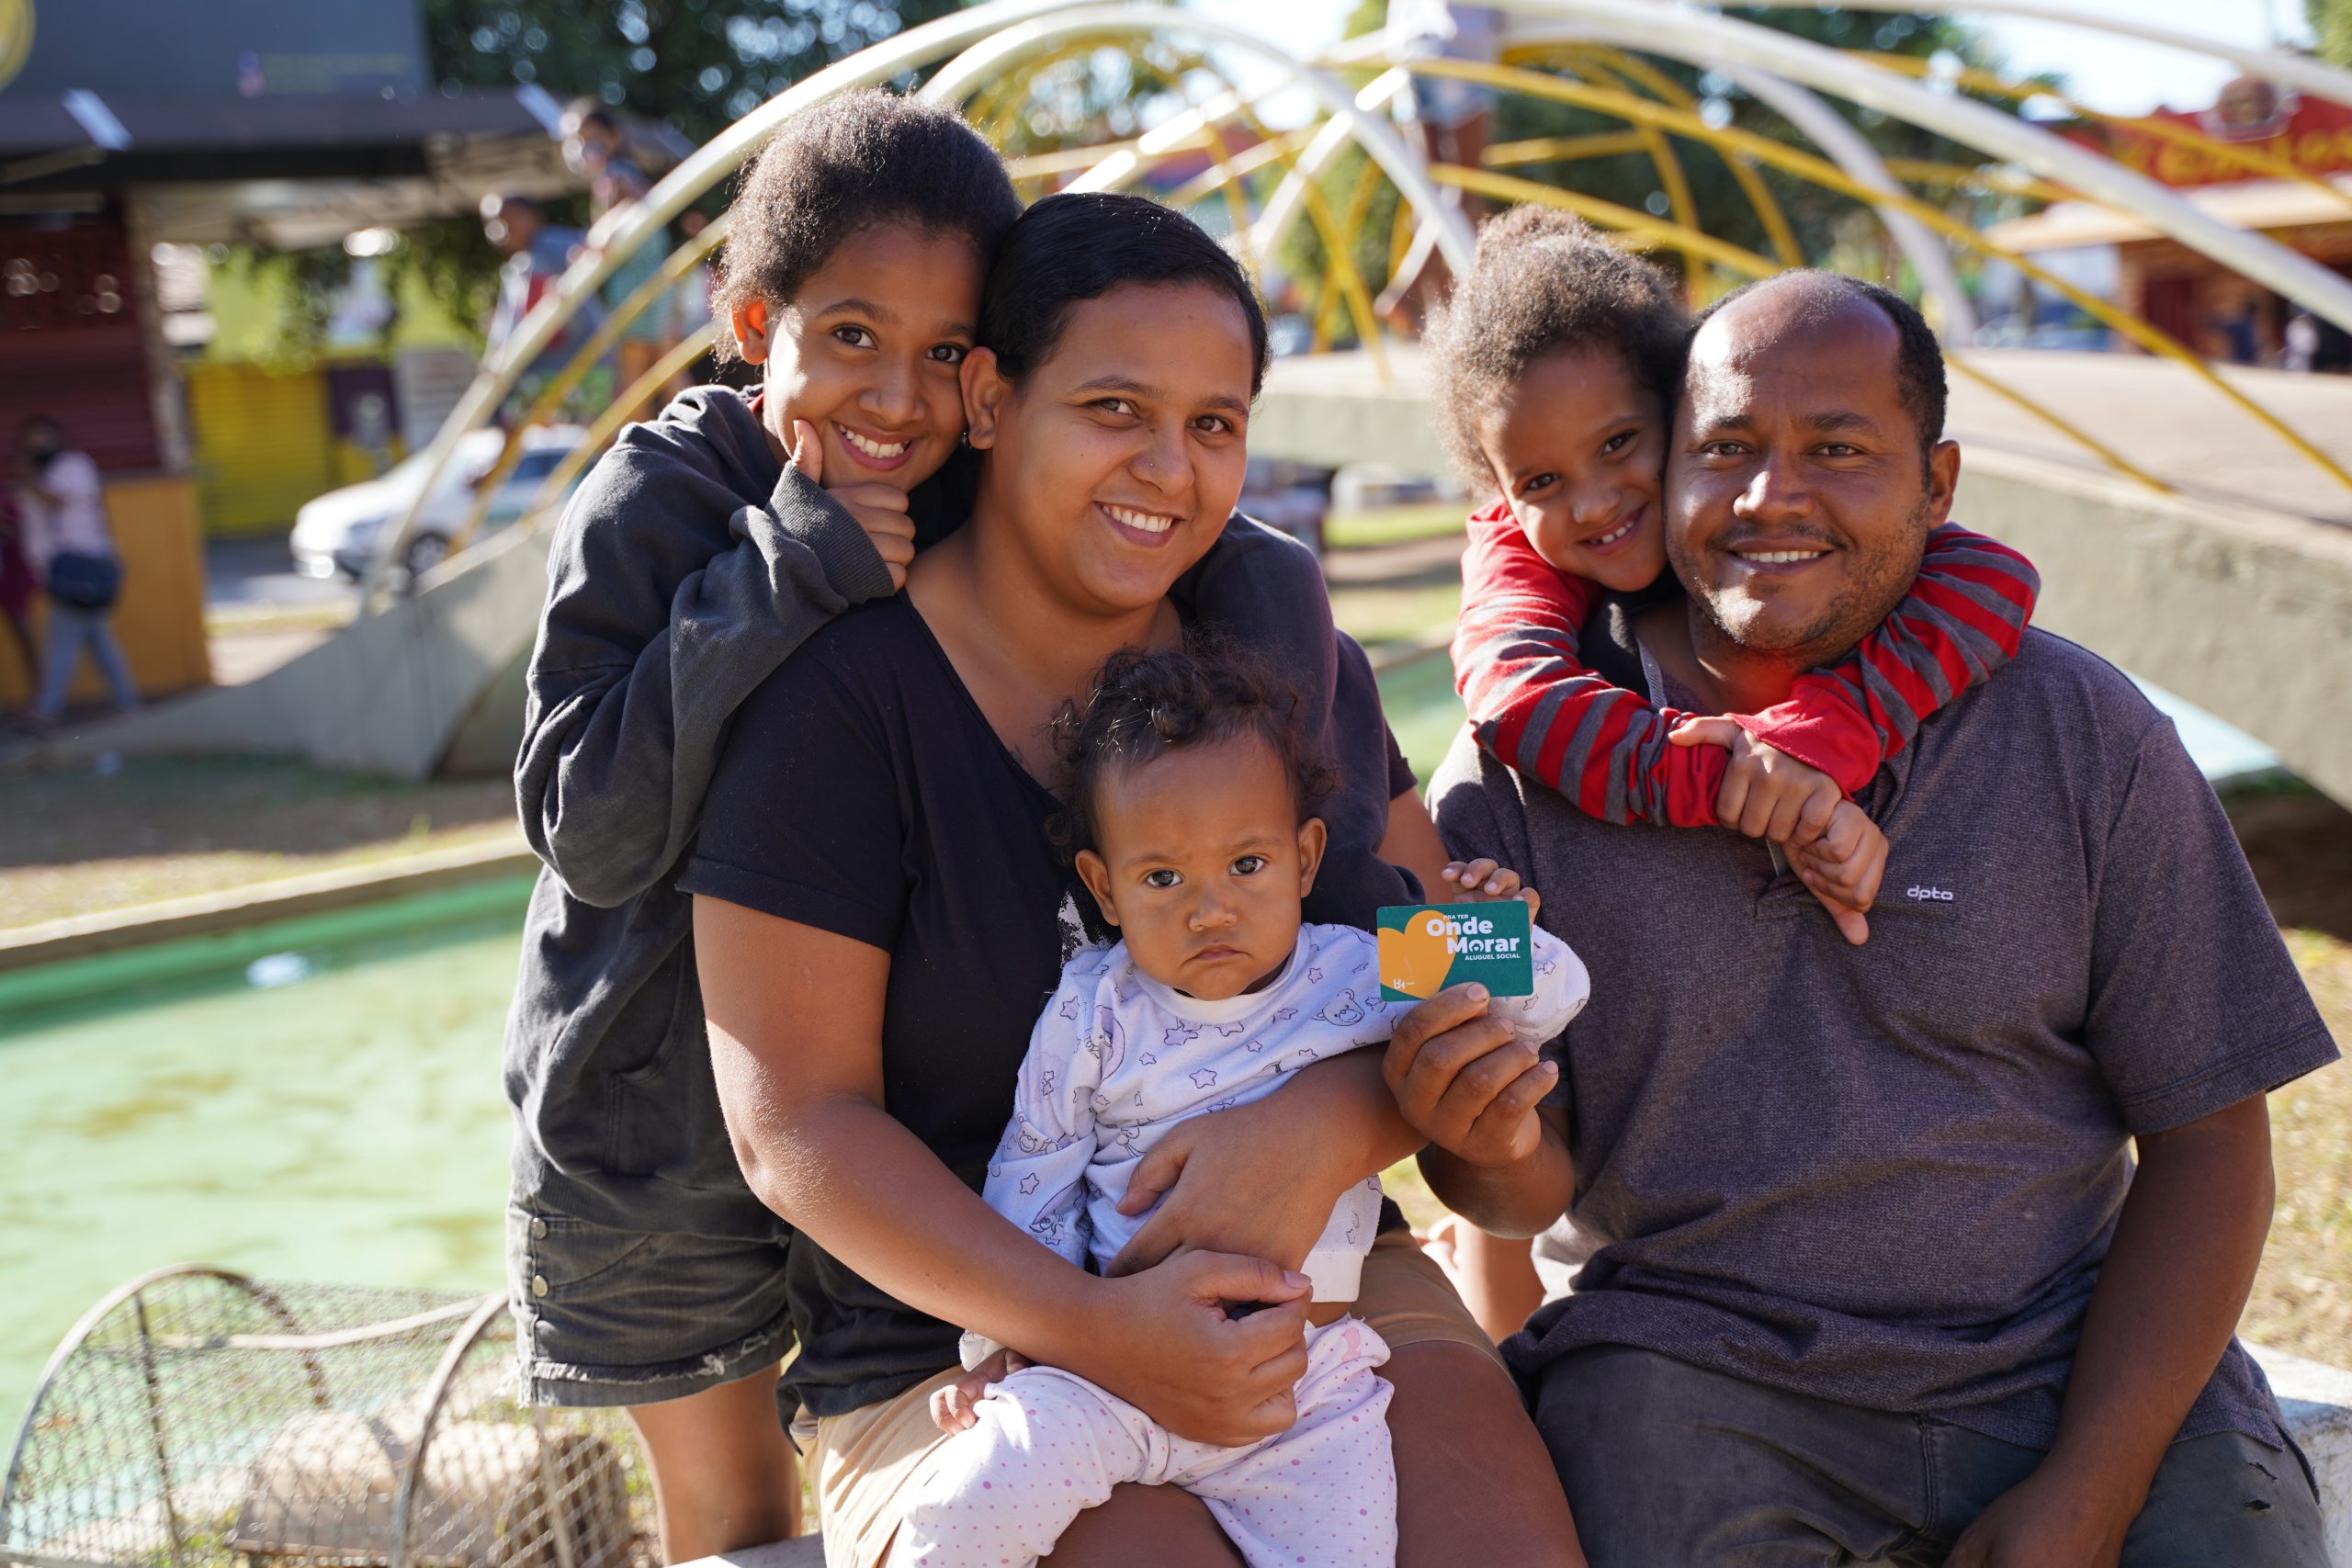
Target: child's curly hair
1144	706
1545	281
864	157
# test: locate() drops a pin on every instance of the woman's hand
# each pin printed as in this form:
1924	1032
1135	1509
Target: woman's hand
1165	1341
1219	1190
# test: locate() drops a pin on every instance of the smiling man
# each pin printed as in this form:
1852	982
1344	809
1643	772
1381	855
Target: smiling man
1870	1274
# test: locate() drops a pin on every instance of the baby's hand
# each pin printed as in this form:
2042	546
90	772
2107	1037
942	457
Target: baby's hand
1484	882
1767	794
1842	868
880	509
951	1407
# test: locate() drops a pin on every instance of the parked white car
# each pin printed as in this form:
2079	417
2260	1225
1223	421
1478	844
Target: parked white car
338	532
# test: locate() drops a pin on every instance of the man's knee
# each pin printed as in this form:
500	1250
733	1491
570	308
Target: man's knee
1666	1463
2225	1498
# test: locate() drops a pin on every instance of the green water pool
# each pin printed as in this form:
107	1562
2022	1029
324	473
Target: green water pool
318	1102
342	1120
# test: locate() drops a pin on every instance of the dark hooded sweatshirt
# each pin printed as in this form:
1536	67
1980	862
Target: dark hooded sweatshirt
686	568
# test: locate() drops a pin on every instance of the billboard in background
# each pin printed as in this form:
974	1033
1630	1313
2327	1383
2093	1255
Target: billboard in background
2311	133
215	48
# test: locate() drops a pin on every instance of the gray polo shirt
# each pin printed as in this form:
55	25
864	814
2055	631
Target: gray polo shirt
1886	1175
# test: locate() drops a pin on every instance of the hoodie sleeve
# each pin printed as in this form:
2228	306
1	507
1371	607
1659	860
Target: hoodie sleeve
630	689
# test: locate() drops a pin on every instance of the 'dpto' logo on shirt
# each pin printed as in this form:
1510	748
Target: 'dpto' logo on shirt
1424	948
1923	894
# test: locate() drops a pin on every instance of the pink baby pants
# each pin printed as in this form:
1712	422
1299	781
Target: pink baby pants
1050	1445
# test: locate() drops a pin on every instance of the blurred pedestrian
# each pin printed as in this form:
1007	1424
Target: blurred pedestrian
2299	342
595	147
690	307
1450	119
17	584
537	252
71	549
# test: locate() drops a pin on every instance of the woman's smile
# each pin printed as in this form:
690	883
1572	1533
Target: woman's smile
1150	529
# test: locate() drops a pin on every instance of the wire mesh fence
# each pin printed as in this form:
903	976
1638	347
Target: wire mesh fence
200	1419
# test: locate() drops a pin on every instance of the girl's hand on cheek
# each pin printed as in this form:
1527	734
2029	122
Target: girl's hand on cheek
1166	1341
880	509
1226	1191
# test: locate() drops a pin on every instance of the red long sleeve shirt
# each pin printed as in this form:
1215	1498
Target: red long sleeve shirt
1534	704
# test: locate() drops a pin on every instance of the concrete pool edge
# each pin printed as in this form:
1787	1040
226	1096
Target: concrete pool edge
177	944
209	914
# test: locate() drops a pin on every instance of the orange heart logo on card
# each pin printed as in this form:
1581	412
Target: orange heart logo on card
1415	959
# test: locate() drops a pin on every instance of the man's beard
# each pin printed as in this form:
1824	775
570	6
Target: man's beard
1865	600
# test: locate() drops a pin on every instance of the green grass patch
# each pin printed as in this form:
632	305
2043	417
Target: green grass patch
1394	526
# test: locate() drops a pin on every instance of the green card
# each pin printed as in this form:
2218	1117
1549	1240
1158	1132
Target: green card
1424	948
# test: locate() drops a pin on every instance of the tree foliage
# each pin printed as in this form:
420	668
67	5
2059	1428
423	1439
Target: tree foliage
699	65
2331	20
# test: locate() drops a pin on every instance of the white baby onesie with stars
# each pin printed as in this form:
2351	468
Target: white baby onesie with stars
1117	1059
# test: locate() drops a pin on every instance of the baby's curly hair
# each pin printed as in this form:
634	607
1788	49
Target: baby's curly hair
1144	706
864	157
1545	281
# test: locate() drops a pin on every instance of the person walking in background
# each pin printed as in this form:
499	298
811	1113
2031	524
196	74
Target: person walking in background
1450	119
70	549
17	584
595	147
536	252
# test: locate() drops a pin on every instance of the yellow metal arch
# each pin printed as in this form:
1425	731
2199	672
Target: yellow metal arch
1642	73
1823	173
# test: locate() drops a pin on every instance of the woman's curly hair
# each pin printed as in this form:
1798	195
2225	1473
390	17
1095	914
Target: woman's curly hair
1545	282
863	158
1144	706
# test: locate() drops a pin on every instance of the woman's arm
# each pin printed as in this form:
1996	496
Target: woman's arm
795	1027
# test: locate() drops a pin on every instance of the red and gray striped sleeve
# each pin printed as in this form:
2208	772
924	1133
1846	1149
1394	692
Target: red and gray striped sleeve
1963	619
1535	706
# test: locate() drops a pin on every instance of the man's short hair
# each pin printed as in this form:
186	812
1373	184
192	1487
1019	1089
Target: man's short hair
1918	358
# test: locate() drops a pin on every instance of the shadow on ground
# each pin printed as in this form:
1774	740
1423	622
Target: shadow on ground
2300	844
187	805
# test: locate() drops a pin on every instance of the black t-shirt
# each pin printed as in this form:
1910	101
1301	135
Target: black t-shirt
862	792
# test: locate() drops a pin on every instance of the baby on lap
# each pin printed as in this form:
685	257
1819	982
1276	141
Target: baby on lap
1189	795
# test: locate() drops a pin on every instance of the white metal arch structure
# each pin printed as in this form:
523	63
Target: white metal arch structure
1830	131
1375	134
1852	152
1283	209
2294	71
1714	40
710	163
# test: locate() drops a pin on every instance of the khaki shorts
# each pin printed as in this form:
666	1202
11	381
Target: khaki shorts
861	1464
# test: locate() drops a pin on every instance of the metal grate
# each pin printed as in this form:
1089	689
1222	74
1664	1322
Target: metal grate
199	1420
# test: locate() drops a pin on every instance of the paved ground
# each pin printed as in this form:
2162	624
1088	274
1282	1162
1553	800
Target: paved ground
2159	416
245	574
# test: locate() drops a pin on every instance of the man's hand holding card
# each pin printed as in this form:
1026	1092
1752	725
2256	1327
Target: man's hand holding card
1465	1065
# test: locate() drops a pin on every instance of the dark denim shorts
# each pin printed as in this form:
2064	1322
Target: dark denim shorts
610	1318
